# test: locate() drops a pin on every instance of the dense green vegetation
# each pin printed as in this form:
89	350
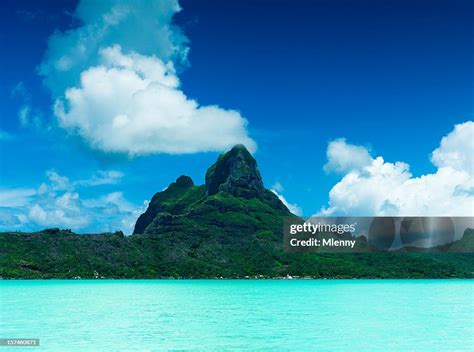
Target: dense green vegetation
231	227
61	254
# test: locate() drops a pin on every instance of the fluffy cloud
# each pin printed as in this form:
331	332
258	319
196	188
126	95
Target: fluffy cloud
277	187
114	205
62	217
143	26
107	177
132	104
115	83
344	157
294	208
57	203
57	182
15	197
384	188
456	149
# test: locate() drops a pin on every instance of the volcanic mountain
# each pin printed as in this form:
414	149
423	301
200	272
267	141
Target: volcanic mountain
230	227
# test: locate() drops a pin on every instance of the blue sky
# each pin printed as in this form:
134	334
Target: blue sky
287	78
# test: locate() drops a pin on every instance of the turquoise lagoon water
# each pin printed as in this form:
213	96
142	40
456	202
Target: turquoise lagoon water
313	315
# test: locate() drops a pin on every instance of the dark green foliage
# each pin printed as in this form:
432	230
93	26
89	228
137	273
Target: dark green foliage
66	255
231	227
176	195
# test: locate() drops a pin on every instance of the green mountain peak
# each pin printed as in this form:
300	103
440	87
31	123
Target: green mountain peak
230	227
164	201
233	179
236	173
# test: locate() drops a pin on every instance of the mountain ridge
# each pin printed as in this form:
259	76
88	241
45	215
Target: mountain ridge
230	227
235	173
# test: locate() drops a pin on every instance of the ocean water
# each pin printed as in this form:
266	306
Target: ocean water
273	315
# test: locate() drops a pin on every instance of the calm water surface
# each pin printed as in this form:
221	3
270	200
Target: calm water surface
319	315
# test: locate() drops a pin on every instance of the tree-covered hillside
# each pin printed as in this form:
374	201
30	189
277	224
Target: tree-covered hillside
231	227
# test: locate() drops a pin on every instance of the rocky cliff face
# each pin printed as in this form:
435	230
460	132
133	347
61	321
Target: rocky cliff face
231	222
234	174
161	202
230	227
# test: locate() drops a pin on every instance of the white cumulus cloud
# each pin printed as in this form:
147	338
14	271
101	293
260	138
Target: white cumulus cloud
16	197
58	202
57	217
115	83
344	157
294	208
456	149
385	188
